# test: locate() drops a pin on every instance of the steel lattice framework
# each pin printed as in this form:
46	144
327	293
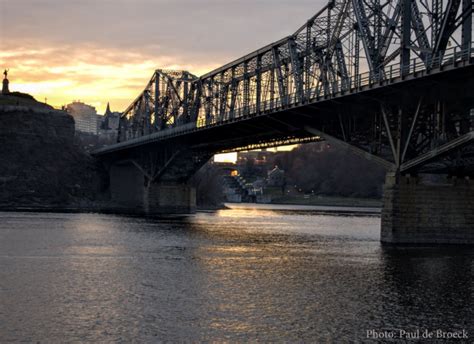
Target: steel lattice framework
346	48
345	44
167	101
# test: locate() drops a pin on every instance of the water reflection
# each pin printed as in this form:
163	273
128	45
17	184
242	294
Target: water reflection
431	287
235	274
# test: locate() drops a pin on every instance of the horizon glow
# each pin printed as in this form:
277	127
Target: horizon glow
106	51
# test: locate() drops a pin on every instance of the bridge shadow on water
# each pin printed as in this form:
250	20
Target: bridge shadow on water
431	288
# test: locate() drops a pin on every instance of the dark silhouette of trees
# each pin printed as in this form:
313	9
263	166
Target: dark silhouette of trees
208	183
322	169
314	168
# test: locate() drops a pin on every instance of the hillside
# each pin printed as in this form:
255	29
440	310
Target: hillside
40	166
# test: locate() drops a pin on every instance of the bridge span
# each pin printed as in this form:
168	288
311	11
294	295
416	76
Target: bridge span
392	80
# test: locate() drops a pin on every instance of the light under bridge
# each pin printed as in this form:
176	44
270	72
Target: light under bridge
391	80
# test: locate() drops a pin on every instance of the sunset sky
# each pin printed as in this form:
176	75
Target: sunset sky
106	50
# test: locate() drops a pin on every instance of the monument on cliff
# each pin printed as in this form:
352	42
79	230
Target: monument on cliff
8	97
5	89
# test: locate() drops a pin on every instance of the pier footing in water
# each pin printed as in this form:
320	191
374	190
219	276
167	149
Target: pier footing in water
417	211
131	193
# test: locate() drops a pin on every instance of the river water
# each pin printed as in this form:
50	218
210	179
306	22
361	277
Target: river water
232	275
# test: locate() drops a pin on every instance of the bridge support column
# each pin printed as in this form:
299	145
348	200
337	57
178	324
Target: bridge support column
421	212
131	194
169	198
126	189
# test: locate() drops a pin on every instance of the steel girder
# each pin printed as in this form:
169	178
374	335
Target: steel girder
348	44
169	99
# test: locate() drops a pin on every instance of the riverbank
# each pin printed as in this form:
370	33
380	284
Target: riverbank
202	209
295	208
328	201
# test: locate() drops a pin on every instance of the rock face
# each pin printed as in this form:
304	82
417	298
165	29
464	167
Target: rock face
40	165
22	99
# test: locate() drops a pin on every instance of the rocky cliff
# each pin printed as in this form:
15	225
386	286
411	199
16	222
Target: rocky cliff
40	165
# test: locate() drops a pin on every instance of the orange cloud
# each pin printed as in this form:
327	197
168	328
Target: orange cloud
86	72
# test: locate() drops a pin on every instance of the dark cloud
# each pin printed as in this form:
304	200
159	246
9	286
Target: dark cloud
212	30
106	50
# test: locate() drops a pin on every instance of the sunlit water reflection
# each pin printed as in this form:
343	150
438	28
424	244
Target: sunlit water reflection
240	274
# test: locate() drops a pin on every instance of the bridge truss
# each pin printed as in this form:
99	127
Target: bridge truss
347	48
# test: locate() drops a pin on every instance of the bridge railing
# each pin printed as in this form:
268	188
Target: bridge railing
355	83
391	73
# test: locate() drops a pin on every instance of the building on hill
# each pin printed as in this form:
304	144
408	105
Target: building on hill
85	117
276	177
110	120
108	125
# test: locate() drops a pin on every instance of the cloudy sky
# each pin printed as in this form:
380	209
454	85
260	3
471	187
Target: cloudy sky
106	50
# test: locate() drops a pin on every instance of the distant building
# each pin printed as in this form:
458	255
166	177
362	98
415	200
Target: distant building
85	117
259	157
110	120
276	177
108	125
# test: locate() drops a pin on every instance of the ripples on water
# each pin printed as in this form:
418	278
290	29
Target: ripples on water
235	275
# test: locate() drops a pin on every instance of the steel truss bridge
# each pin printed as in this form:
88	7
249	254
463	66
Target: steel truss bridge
393	80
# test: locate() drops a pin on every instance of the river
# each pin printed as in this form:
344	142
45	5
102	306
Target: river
233	275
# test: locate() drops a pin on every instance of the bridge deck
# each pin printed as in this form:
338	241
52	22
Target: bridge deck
364	85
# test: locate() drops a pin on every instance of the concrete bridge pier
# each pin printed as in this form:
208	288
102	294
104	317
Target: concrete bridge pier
169	198
131	193
419	211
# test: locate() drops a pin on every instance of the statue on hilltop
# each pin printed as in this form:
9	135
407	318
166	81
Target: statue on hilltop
5	89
